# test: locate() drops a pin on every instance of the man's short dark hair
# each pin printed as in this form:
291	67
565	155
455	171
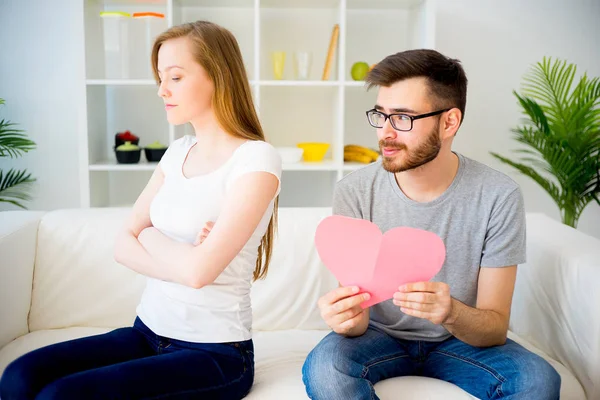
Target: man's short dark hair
445	76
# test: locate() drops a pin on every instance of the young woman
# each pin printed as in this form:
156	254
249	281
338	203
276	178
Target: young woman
192	335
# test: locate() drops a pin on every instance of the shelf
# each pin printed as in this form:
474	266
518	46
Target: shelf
306	28
353	166
215	3
367	21
290	111
304	114
355	83
112	165
152	3
298	83
309	83
356	126
299	3
382	4
327	165
120	82
128	82
352	4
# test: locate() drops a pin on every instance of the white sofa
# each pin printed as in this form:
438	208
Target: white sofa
58	281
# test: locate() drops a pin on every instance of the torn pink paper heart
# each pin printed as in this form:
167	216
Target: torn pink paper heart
356	252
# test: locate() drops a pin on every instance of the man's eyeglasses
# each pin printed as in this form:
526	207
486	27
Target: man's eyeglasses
400	122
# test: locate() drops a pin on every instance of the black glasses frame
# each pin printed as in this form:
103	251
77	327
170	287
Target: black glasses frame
411	117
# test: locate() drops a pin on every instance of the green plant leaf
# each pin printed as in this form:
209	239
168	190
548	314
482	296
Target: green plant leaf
548	186
15	186
13	142
560	135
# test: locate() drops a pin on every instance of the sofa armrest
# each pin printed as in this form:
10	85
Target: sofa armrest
556	304
18	238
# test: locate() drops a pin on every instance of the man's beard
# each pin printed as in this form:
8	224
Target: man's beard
425	153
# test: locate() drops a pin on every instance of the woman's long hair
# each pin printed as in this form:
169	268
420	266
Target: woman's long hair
217	51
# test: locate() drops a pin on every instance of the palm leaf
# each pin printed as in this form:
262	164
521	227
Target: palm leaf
548	186
549	84
15	184
535	113
15	187
560	135
13	142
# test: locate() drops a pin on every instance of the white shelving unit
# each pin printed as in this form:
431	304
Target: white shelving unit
291	111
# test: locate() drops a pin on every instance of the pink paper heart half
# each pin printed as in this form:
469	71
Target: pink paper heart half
357	253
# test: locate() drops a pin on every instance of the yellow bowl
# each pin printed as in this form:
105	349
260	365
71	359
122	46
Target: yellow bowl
314	151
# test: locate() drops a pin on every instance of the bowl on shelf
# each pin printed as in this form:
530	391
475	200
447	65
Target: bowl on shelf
154	155
126	136
155	151
290	155
314	151
128	153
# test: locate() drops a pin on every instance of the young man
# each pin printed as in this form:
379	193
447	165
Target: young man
454	327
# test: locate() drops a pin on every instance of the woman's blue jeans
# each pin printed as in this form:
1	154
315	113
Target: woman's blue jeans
131	363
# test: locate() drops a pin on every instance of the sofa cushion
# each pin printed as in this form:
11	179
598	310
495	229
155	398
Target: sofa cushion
76	280
279	357
556	305
18	232
287	298
279	360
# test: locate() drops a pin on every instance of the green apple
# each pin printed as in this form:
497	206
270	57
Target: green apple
359	70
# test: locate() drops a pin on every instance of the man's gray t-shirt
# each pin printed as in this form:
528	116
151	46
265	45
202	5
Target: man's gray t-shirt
480	217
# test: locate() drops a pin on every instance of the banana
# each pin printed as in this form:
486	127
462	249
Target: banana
362	150
357	157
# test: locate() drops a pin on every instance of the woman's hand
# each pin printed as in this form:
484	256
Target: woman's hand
203	234
145	234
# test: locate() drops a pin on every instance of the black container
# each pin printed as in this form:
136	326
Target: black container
128	156
154	155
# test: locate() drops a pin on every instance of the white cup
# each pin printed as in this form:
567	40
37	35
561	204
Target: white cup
302	63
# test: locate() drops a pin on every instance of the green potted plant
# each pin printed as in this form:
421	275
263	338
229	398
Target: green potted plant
14	184
560	136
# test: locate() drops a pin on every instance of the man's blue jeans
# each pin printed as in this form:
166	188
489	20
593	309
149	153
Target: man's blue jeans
131	363
347	368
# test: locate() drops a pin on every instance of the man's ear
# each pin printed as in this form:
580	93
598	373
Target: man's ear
451	122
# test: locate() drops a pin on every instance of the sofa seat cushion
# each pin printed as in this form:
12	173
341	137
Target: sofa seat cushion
37	339
279	359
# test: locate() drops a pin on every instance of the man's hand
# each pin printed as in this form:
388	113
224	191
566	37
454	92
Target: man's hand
203	234
428	300
341	311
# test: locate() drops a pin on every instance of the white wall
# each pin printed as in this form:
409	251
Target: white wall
41	70
498	41
41	76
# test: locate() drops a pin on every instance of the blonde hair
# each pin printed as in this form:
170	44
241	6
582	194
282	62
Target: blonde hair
217	51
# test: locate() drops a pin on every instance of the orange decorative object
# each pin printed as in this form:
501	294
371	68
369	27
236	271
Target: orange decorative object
148	14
